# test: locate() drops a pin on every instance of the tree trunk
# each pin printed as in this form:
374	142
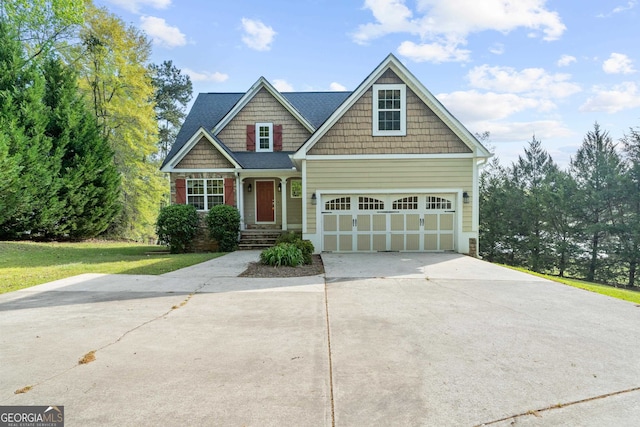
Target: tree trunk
594	258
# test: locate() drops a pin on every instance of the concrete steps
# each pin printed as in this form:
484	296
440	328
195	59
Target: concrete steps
258	239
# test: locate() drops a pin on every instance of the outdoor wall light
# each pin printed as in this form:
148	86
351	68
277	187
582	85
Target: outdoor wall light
465	197
249	188
279	187
314	199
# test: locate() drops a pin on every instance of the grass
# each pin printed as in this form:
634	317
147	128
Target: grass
25	264
623	294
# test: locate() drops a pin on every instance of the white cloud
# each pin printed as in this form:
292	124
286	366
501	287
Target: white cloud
161	33
472	106
257	35
443	25
135	5
206	76
531	81
620	97
282	85
618	9
497	49
433	52
337	87
618	63
565	60
523	131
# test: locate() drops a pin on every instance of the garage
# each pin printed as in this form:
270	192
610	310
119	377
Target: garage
388	222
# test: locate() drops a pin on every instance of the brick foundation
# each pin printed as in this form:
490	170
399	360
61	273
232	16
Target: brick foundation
202	242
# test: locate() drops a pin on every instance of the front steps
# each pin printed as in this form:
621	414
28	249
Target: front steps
258	239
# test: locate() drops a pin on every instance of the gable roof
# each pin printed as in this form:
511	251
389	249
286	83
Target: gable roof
209	109
391	62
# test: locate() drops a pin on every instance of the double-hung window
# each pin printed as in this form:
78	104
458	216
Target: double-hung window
389	110
264	136
205	193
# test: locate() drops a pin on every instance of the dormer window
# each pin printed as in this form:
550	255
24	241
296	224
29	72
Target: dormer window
264	136
389	110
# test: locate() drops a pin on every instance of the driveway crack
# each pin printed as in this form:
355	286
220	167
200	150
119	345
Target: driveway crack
326	308
84	361
536	412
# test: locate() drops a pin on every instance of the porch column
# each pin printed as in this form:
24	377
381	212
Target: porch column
240	200
283	184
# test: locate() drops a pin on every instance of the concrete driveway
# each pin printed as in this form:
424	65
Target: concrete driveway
384	339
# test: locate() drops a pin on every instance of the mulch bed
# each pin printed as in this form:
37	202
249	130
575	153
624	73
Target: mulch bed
256	269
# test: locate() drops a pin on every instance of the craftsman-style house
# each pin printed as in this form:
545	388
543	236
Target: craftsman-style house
383	168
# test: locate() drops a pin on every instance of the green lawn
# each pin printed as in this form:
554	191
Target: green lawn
623	294
25	264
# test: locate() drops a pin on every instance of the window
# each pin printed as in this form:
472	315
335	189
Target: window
205	193
296	189
408	203
264	136
369	203
340	204
389	110
438	203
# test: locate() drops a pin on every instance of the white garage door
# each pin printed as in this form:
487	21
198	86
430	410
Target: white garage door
400	222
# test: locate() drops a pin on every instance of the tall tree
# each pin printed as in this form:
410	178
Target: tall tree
173	92
629	218
31	205
39	24
596	169
90	184
530	173
113	67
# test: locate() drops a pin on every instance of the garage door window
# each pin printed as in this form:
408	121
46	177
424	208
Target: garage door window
369	203
339	204
406	204
438	203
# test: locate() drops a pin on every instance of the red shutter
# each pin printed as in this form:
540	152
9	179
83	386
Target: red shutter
229	193
181	192
277	137
251	137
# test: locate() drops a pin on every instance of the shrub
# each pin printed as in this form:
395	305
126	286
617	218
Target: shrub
223	222
176	226
288	237
306	247
282	254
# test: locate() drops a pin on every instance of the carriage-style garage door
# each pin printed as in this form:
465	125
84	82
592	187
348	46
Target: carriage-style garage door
401	222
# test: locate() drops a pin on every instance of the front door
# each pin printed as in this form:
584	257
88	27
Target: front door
265	201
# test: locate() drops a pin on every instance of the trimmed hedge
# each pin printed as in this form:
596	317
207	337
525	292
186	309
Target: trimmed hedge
223	222
176	226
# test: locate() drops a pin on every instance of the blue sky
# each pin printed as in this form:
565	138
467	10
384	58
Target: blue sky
514	68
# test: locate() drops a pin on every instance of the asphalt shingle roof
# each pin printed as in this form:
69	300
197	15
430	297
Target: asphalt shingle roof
209	108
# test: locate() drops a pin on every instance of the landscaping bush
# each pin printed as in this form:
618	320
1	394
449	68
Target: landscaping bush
306	247
282	254
176	226
289	237
223	222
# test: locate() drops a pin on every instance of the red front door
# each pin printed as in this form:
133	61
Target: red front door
265	202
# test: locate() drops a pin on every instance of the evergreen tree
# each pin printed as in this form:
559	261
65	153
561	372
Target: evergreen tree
172	94
90	183
34	204
596	169
629	220
530	173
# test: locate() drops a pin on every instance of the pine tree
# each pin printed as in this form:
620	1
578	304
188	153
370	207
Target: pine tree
629	219
596	169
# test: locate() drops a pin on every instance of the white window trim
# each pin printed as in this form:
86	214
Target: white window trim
403	110
258	126
206	192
